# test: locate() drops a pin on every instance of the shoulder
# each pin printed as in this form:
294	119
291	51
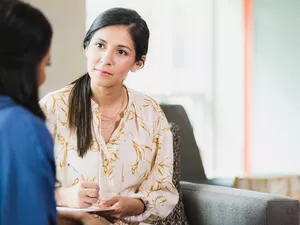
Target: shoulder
19	124
144	101
147	108
52	100
16	115
54	97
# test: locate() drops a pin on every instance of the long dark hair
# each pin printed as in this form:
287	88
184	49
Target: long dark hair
25	38
80	112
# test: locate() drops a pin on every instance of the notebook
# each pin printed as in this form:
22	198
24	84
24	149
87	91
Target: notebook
89	209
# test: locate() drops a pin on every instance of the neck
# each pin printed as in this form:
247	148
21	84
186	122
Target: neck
105	97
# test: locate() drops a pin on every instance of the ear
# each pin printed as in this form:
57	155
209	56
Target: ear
139	64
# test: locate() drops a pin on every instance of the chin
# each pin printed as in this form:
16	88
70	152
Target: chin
102	83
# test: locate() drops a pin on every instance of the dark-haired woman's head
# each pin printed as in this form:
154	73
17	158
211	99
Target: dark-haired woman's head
24	52
116	43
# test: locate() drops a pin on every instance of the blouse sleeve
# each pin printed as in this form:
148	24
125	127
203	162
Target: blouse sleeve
49	108
158	192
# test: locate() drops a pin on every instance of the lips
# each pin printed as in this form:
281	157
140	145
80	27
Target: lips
103	72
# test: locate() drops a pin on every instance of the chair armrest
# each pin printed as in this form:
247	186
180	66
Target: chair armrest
216	205
226	182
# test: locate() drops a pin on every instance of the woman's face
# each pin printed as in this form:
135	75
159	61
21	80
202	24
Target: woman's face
110	56
41	70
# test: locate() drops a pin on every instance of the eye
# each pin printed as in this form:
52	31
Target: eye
122	52
99	45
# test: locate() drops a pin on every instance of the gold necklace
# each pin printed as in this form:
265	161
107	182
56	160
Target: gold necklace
111	118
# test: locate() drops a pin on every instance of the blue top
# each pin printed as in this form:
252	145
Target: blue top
27	168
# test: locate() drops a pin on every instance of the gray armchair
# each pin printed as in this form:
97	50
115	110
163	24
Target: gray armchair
193	170
216	205
202	204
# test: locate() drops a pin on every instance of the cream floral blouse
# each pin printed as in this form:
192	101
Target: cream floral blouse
136	162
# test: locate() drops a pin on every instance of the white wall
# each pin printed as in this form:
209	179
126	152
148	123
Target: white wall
229	87
276	87
68	21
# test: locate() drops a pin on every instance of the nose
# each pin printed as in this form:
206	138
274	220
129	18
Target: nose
107	58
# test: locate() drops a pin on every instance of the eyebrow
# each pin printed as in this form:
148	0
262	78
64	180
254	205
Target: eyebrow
122	46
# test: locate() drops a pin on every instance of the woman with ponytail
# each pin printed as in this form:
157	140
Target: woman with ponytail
113	145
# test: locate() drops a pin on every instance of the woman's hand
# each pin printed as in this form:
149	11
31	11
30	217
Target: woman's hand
82	195
122	207
77	218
